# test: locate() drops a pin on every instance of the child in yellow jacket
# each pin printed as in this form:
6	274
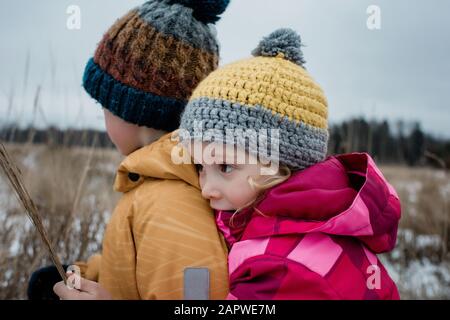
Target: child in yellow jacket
143	72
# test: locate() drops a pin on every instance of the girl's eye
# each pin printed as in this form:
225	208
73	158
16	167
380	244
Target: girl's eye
199	167
226	168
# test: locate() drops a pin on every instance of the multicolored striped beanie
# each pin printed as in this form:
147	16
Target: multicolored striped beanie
149	62
271	90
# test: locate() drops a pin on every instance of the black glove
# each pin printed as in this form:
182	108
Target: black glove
40	286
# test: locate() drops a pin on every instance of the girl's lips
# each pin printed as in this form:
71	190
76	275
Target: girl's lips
216	206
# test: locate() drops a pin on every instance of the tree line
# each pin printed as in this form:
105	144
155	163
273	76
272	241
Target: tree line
404	143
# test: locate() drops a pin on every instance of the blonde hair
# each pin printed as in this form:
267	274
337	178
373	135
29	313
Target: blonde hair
269	182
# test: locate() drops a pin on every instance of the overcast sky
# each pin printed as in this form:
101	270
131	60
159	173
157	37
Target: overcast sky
400	71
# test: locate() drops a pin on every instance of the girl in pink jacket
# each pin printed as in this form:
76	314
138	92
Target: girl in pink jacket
299	224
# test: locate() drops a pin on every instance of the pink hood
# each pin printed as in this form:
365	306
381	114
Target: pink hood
344	195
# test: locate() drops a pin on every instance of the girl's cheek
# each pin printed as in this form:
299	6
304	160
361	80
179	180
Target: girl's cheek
237	190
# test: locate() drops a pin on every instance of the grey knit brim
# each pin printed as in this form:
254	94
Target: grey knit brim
300	145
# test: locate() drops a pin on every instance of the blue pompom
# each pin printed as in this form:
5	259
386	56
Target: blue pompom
285	41
206	11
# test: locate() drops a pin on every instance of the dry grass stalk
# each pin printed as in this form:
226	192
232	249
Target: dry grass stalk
15	178
441	162
65	232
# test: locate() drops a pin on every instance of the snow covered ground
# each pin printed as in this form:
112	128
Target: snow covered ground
422	277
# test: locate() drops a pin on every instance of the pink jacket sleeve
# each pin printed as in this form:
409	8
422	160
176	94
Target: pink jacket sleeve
267	277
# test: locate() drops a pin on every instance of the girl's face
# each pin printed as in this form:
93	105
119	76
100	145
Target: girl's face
223	179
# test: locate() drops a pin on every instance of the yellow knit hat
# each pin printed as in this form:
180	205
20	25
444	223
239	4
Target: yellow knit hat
270	90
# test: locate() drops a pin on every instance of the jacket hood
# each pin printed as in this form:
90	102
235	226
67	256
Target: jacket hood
344	195
153	161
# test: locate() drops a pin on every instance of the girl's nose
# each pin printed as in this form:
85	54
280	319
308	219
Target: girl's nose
210	193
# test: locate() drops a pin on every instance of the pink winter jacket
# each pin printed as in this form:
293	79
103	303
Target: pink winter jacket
318	236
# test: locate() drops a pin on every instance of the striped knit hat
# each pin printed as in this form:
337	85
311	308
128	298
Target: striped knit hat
148	63
269	91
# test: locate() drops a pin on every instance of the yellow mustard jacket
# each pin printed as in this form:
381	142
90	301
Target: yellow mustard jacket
160	226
